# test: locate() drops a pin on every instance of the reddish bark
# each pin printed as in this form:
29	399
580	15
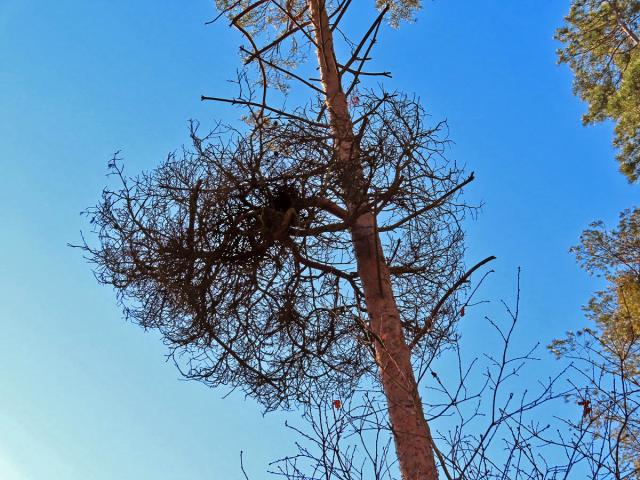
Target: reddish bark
412	437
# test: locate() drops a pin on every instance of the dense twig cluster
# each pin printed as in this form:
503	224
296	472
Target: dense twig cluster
239	250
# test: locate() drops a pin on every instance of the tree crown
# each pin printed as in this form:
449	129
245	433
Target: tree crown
601	45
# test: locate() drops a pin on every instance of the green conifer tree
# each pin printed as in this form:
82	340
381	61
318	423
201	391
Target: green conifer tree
601	45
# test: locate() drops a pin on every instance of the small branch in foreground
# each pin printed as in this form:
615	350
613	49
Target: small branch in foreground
429	323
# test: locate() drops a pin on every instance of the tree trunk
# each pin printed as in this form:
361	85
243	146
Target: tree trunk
413	441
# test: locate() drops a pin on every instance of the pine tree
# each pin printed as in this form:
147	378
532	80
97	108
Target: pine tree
601	45
316	246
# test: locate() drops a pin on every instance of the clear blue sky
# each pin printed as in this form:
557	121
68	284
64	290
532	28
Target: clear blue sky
85	395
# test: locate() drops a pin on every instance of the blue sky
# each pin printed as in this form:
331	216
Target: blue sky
85	395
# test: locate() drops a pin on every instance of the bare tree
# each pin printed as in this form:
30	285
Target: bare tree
312	248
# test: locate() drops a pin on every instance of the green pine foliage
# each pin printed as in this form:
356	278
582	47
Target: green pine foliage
611	346
601	45
615	311
615	255
399	9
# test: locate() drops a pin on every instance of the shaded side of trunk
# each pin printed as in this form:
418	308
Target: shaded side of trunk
412	437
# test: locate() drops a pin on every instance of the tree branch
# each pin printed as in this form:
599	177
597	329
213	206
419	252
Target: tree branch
434	313
247	103
439	202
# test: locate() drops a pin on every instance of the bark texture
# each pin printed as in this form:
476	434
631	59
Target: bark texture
413	441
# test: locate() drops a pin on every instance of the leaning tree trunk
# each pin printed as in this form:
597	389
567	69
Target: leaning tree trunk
413	441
